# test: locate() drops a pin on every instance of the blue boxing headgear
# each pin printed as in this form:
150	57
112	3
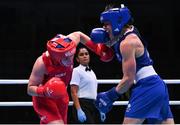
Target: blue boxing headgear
117	17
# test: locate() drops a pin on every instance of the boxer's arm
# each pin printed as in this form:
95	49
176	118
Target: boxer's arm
78	37
105	100
106	54
98	35
36	77
127	48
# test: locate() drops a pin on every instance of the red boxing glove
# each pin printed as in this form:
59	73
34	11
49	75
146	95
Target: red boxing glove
53	88
106	53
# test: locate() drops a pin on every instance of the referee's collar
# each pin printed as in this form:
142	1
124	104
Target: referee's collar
83	67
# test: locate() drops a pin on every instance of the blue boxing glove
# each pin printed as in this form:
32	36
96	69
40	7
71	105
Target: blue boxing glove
105	100
99	35
81	115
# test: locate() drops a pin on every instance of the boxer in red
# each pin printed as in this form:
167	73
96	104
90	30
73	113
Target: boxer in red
51	74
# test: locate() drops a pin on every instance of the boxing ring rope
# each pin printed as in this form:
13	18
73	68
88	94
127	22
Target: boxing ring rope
100	81
116	103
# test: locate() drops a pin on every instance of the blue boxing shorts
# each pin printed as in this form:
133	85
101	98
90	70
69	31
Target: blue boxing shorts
149	100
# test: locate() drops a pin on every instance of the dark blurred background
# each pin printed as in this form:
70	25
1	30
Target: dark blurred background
26	25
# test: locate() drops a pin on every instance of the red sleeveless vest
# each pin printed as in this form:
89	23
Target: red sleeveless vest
60	71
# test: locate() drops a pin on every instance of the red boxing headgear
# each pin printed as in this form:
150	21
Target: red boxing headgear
60	48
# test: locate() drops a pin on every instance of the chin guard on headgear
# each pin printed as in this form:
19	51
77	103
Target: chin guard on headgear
117	17
59	48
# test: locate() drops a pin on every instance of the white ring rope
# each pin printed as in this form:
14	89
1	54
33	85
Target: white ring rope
100	81
116	103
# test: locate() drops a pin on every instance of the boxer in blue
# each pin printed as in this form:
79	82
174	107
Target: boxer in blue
149	99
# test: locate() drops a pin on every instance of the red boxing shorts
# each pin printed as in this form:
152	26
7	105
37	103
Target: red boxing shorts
50	109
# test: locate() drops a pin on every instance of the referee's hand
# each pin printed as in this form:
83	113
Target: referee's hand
81	115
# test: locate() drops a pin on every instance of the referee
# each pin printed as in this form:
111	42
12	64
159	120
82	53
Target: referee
84	91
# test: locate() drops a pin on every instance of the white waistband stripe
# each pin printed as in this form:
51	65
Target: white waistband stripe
145	72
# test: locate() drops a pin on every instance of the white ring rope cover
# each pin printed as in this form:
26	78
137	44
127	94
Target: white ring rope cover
116	103
100	81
